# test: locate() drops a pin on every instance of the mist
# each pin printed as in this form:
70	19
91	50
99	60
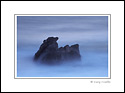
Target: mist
90	32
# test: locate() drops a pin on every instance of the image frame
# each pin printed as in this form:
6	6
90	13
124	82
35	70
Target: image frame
109	47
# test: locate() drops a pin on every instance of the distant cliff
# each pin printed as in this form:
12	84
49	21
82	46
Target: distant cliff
50	53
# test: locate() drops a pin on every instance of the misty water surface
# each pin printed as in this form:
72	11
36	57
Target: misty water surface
90	32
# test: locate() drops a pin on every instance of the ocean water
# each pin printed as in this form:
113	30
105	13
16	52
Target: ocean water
90	32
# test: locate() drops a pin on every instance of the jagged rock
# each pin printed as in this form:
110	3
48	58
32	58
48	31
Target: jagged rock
49	51
48	45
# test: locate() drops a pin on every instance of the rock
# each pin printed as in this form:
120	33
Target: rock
50	53
48	45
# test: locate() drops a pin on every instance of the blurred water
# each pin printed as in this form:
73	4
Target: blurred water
90	32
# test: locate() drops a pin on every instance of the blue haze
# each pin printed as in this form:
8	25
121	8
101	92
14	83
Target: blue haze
90	32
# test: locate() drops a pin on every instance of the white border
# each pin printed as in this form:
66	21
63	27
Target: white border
10	84
109	54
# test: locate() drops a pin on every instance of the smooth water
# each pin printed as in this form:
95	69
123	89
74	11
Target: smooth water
90	32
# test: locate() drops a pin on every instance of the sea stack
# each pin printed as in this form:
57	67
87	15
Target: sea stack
50	53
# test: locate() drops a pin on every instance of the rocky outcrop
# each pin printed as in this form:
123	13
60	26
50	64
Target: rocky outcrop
50	53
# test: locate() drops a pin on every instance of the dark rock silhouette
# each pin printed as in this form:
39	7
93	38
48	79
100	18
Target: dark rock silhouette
50	53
